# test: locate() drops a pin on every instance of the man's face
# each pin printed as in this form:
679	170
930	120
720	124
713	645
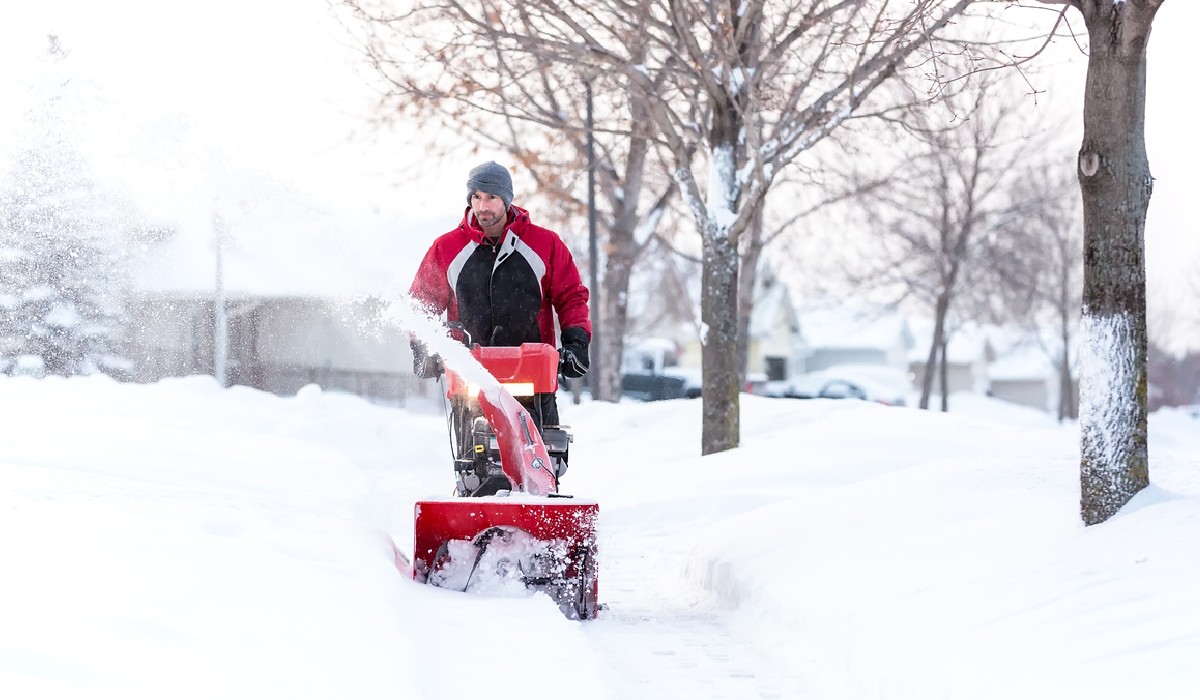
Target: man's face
489	209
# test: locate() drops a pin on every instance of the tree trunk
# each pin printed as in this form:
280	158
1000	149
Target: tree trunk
721	211
944	375
1114	177
623	248
747	278
1066	386
935	344
614	313
718	312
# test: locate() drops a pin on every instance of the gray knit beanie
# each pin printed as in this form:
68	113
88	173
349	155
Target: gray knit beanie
493	178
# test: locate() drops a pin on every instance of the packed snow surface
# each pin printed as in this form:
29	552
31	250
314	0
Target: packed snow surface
187	541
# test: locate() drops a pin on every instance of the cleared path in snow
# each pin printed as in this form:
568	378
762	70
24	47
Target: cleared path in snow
667	644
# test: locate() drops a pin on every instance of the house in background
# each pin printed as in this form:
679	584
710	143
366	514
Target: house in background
776	346
968	354
856	335
1026	377
301	294
1026	369
276	344
304	300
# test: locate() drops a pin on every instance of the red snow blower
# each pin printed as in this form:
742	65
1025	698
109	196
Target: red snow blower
508	528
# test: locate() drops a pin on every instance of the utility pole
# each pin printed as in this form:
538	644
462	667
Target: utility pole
220	320
593	255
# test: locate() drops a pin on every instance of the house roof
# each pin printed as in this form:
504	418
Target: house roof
846	327
1027	354
280	245
1021	364
968	344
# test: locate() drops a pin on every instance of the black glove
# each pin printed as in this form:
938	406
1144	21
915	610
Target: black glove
425	366
573	357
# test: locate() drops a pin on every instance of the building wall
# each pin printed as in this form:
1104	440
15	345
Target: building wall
1026	392
277	345
960	377
320	334
822	358
782	342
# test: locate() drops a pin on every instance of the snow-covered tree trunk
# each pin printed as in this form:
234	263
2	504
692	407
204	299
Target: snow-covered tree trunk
1114	176
716	216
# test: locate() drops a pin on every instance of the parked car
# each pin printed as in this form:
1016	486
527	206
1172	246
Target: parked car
650	371
691	377
885	385
644	386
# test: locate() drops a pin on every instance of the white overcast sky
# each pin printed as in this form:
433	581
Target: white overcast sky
273	82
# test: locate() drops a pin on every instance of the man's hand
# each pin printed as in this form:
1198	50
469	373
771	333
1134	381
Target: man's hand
573	357
426	366
431	367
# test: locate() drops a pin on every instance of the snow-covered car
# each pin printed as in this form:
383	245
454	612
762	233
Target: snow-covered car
885	385
692	380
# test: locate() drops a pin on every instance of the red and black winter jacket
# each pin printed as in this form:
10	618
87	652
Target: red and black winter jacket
505	292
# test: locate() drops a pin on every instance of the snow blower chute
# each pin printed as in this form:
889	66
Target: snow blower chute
508	527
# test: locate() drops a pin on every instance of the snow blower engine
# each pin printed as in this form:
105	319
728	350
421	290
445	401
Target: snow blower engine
527	372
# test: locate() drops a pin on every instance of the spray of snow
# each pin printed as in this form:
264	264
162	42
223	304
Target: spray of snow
407	314
502	567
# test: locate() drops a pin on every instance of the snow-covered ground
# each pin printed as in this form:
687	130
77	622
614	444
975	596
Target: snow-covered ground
181	540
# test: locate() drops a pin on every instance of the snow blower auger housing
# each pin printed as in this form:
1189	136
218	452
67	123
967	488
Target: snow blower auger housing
509	528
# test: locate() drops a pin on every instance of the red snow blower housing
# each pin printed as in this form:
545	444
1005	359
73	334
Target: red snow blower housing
509	528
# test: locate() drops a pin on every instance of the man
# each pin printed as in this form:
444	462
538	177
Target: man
504	278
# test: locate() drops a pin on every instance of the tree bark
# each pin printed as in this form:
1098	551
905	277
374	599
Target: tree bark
936	349
747	279
1114	177
718	311
944	374
614	310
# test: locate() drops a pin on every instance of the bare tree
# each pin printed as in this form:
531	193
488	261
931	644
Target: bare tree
767	84
934	224
734	92
1038	259
1114	177
477	68
796	200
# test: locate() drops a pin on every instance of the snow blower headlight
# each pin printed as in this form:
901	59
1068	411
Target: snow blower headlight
519	388
514	388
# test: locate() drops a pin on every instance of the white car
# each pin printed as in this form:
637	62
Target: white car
885	385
